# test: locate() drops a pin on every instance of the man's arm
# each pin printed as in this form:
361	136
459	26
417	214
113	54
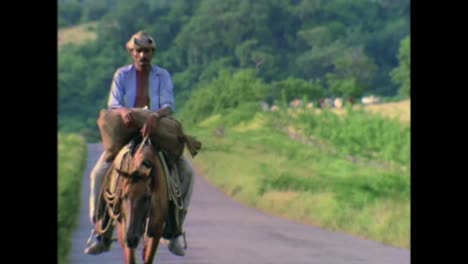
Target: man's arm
117	92
116	100
152	120
167	106
166	101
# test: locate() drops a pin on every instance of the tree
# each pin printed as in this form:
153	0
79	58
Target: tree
401	74
294	88
354	70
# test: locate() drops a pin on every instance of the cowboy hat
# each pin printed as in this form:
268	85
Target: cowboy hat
140	40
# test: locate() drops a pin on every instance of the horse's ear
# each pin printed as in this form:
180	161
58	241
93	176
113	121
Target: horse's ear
123	173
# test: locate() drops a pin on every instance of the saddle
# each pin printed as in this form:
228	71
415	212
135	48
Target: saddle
168	135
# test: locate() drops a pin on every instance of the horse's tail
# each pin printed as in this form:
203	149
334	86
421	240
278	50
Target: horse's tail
193	145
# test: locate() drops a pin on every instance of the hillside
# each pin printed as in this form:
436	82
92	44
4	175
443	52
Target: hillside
79	34
350	49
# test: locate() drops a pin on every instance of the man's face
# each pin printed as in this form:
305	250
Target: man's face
142	57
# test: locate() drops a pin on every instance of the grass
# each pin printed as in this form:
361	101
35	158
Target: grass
77	34
356	131
315	182
399	110
393	110
71	164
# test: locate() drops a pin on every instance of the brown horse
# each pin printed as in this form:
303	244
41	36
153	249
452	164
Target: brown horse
139	204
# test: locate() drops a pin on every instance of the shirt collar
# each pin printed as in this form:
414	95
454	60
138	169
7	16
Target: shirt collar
153	69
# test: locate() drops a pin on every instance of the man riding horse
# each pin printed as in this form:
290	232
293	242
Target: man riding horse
139	85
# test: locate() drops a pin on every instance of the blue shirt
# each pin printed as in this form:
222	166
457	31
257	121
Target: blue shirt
123	88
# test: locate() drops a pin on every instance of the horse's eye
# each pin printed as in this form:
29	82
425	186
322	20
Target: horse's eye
146	164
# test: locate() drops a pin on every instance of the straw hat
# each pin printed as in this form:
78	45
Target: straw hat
140	39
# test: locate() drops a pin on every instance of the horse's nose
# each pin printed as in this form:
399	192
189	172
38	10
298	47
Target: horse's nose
132	241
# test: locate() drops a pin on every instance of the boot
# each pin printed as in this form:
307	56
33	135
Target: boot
97	244
178	245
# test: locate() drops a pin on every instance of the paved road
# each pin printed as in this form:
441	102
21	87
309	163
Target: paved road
221	231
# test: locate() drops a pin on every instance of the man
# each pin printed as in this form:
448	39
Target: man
138	85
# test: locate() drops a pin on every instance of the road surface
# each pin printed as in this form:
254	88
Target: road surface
221	231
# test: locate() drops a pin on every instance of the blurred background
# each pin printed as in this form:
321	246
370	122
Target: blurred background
303	106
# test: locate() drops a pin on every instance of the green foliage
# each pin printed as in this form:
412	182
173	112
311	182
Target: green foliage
355	65
344	87
316	36
228	91
401	74
94	10
72	154
361	133
356	192
243	113
73	12
244	52
318	61
383	46
293	88
345	46
69	13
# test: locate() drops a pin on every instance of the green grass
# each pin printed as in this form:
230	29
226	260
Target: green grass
357	133
317	183
72	154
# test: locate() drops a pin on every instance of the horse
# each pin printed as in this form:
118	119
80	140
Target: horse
136	198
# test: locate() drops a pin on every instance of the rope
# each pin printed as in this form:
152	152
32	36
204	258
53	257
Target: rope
112	200
173	184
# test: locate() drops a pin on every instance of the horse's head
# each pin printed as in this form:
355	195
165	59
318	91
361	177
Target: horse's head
136	191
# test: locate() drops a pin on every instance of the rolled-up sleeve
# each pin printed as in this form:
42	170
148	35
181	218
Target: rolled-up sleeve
117	91
167	93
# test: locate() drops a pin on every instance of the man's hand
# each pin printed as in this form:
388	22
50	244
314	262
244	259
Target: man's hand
126	115
150	123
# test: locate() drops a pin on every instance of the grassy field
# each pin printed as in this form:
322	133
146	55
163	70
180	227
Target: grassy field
399	110
71	164
76	34
321	181
392	110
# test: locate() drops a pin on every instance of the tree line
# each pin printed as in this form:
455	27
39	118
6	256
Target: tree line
273	49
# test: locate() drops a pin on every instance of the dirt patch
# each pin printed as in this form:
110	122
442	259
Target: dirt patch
77	34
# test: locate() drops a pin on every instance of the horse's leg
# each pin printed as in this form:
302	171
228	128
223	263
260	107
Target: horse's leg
151	249
151	246
129	254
